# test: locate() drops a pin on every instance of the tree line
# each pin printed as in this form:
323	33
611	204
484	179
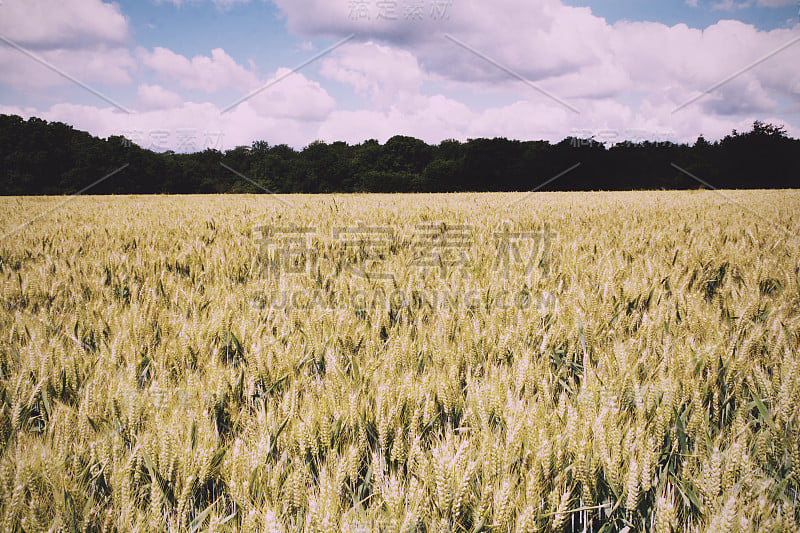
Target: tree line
51	158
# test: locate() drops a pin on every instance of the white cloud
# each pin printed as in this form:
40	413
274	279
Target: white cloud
614	73
49	24
435	119
83	39
564	49
101	65
195	126
222	4
153	97
730	5
627	76
288	111
384	75
293	97
285	94
188	127
209	74
689	61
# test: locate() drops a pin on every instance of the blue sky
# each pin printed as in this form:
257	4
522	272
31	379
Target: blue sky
701	15
166	72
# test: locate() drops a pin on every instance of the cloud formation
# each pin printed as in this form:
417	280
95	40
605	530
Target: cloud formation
64	24
407	77
206	73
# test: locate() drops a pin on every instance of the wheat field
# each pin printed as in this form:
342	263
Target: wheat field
475	362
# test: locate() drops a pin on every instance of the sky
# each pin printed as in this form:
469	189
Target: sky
188	75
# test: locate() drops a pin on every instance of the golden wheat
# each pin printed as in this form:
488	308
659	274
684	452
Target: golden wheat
169	363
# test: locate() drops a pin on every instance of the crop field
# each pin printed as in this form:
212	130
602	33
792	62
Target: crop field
399	363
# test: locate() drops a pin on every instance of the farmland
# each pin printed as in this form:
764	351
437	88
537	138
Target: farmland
466	362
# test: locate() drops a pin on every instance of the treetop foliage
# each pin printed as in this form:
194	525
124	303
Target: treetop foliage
51	158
